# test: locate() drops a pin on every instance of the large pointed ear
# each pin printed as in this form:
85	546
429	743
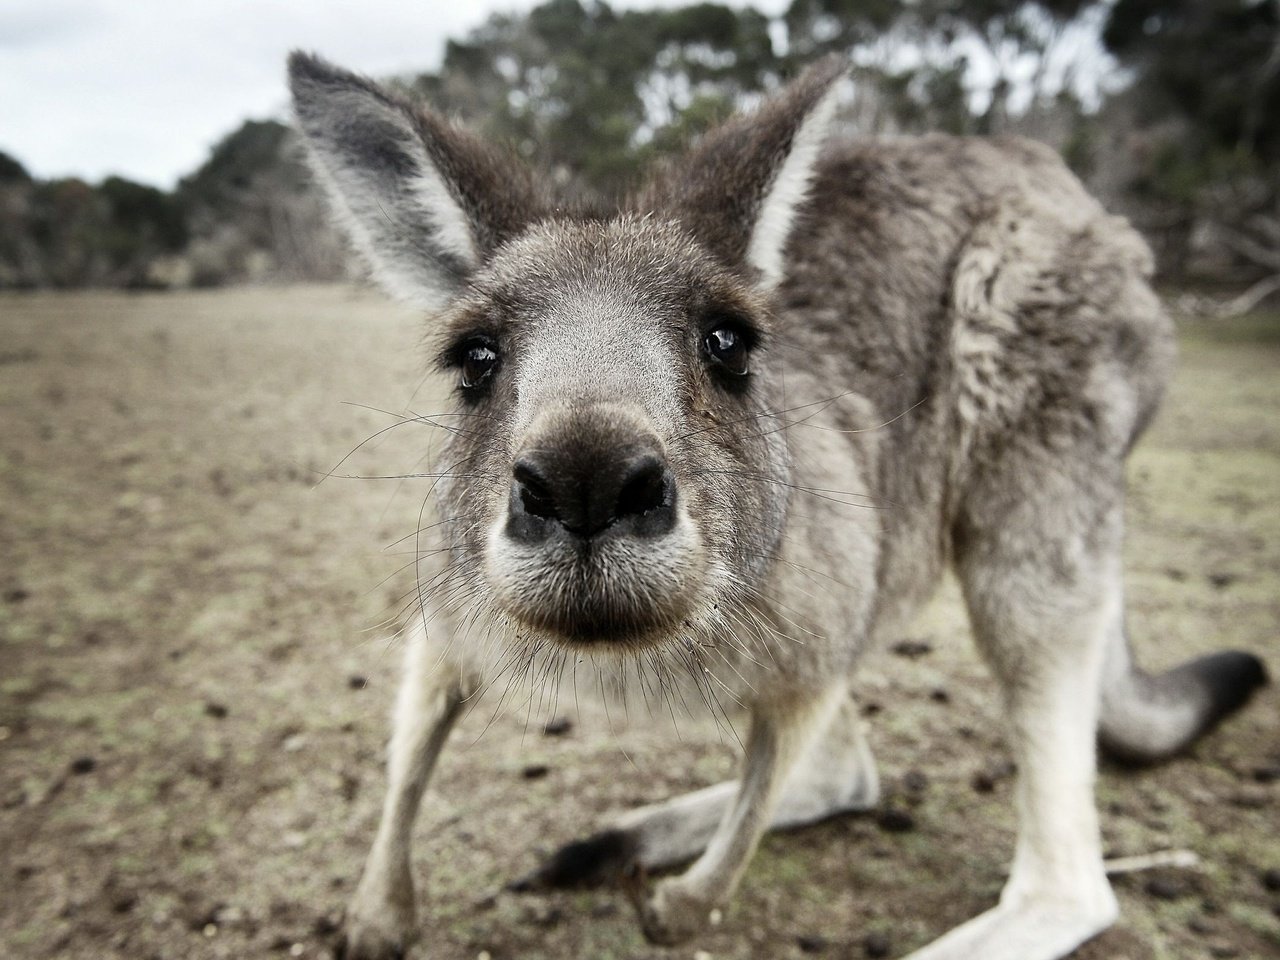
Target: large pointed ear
740	189
424	201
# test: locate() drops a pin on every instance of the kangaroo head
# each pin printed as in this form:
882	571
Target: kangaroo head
613	480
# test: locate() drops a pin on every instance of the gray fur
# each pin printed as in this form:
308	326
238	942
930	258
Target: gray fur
953	361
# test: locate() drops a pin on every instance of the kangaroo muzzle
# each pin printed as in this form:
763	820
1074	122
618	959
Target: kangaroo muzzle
595	543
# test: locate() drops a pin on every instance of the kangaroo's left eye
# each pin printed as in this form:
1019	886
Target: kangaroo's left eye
727	348
478	362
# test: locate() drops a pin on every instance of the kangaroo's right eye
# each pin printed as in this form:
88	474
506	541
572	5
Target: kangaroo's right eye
478	362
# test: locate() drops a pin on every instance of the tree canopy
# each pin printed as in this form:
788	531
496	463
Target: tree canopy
1168	107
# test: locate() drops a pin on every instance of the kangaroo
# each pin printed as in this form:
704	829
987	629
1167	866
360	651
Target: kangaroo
780	360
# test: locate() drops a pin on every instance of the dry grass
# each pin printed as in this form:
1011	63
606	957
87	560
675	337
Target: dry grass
188	767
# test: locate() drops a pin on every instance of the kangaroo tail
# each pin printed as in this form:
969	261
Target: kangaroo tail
1146	718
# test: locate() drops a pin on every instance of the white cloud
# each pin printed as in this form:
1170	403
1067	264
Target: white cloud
143	88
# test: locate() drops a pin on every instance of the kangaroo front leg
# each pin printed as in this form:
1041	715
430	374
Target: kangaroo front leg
681	906
379	922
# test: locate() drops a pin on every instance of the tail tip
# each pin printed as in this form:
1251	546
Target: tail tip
1232	677
1219	684
592	862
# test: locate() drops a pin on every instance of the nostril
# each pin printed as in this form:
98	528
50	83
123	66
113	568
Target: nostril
583	493
644	488
535	491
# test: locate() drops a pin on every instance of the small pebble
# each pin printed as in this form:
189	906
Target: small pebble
811	943
912	649
1165	889
985	780
1250	797
557	727
325	924
894	820
294	743
1201	926
1271	879
876	945
543	915
913	781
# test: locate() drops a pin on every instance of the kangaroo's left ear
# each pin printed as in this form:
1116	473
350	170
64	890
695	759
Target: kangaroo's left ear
739	190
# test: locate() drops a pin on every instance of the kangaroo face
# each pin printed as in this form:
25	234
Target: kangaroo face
619	477
616	481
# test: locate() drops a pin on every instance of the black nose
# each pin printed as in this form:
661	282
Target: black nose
628	492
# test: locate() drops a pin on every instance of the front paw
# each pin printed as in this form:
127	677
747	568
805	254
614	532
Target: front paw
383	934
674	912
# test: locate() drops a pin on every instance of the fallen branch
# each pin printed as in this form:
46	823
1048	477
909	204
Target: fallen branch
1150	861
1249	299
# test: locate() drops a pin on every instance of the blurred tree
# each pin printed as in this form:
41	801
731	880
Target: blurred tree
253	214
954	65
1207	89
11	171
67	233
591	93
141	223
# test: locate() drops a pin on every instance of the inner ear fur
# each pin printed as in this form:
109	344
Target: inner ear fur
424	201
739	190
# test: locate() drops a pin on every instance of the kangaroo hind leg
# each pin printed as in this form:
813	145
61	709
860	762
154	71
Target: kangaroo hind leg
836	774
1041	578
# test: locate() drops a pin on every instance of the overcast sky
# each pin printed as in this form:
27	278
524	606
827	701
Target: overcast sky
143	88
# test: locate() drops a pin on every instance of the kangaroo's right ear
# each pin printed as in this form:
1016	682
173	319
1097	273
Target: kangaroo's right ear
424	201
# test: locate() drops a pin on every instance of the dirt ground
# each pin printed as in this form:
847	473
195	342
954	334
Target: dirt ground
195	672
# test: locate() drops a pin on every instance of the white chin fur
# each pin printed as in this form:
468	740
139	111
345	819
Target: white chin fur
652	583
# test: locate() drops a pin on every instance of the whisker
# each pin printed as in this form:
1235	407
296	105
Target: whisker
822	493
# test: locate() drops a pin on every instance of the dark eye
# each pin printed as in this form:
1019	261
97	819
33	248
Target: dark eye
478	361
728	348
